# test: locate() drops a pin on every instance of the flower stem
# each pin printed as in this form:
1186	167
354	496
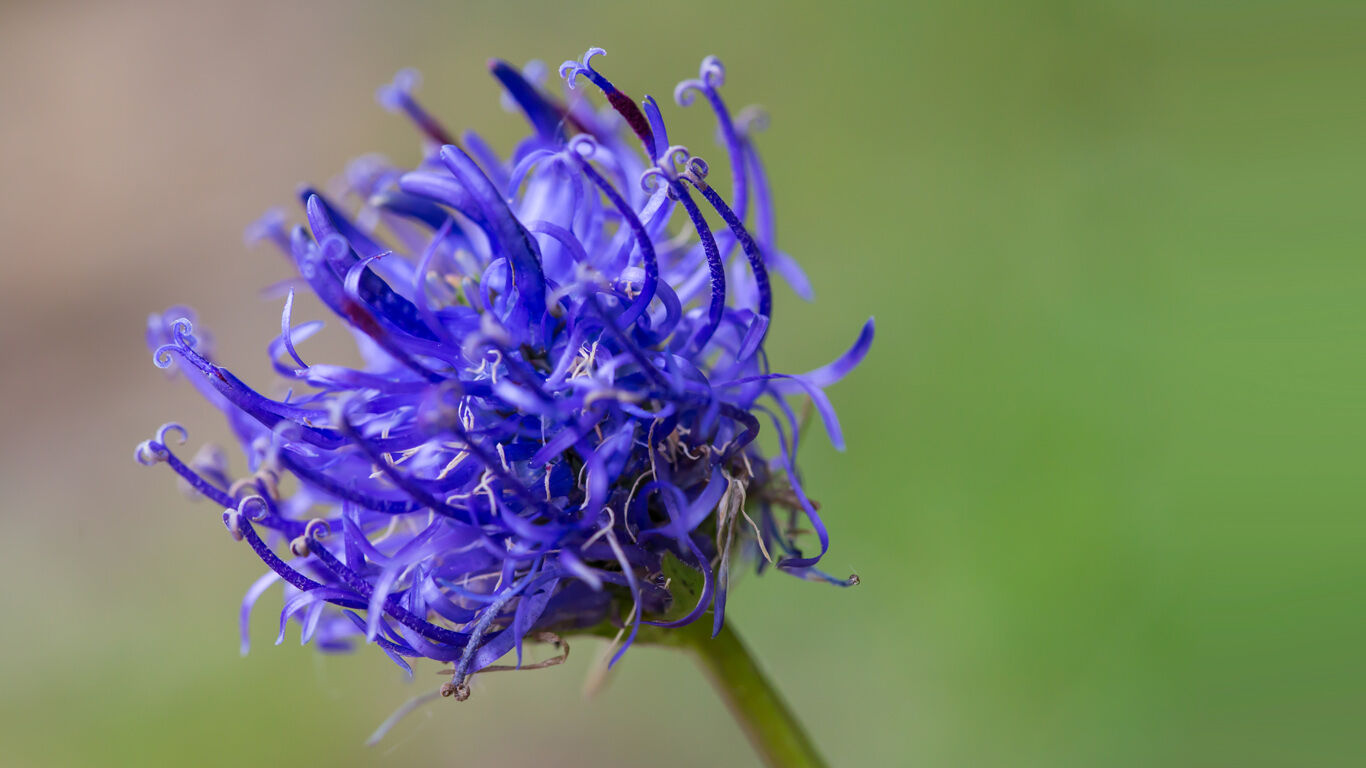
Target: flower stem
771	727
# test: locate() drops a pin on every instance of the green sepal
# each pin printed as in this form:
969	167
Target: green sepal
684	585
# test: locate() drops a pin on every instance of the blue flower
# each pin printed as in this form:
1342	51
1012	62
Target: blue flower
564	378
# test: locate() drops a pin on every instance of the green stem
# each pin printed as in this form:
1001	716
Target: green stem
771	727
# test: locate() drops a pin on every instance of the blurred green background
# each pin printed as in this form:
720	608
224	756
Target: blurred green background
1104	481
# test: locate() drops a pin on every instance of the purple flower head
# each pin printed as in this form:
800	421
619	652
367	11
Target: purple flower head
564	377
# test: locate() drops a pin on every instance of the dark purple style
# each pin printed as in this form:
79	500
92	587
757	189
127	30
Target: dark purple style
564	378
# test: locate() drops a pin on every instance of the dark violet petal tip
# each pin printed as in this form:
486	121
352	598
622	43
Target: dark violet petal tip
397	96
546	118
393	95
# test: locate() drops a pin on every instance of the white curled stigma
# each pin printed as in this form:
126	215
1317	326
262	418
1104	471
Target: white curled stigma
182	340
150	452
253	508
570	70
154	451
315	530
675	164
750	120
583	145
232	519
710	76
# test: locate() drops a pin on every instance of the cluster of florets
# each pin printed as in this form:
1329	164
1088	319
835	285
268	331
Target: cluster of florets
561	391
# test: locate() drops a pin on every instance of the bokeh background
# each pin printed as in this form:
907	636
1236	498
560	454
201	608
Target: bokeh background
1104	485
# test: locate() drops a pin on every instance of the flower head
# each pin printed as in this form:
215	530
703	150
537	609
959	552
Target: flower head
564	378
